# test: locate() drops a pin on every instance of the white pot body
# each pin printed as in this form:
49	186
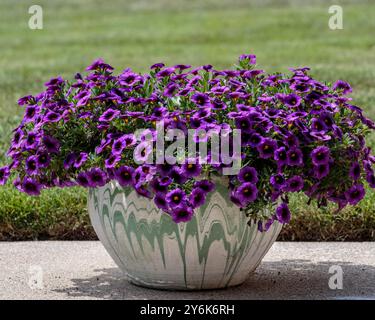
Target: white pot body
216	249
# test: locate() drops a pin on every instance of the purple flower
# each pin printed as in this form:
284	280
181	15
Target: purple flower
197	198
294	157
320	155
191	169
370	178
118	145
252	59
243	123
321	171
32	140
161	202
124	175
80	160
97	178
51	116
248	174
293	184
201	100
292	100
157	65
281	156
267	148
317	125
109	115
52	144
342	86
142	152
176	197
83	180
160	185
246	193
355	171
111	161
31	165
30	113
283	213
178	175
43	160
4	175
31	186
277	181
182	214
255	140
355	194
205	185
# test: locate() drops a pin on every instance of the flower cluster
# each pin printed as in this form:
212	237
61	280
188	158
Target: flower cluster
297	135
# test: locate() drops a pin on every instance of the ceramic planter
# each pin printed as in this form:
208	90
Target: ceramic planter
216	249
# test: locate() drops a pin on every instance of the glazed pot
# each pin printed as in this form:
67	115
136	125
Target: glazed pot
216	249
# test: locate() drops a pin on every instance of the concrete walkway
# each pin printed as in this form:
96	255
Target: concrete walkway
83	270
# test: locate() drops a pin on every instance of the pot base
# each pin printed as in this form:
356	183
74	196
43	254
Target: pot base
216	249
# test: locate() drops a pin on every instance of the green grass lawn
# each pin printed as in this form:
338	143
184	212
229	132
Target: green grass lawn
138	33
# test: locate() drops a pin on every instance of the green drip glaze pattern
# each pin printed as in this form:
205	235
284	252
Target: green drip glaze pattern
216	249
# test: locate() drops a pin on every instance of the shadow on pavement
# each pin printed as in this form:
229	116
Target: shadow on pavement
284	279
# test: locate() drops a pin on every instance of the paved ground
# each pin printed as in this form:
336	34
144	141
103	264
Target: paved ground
83	270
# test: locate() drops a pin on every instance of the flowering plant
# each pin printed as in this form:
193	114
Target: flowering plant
296	134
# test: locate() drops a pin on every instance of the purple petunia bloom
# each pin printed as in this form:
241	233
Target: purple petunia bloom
31	186
111	161
142	152
176	197
292	100
201	100
294	157
355	171
294	184
178	175
182	214
118	145
97	177
320	155
277	181
160	185
191	169
4	175
31	166
255	140
83	180
283	213
32	140
197	198
246	193
248	174
109	115
281	156
52	116
30	113
342	86
43	160
124	175
355	194
161	202
267	148
321	171
250	57
370	178
80	159
243	123
205	185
